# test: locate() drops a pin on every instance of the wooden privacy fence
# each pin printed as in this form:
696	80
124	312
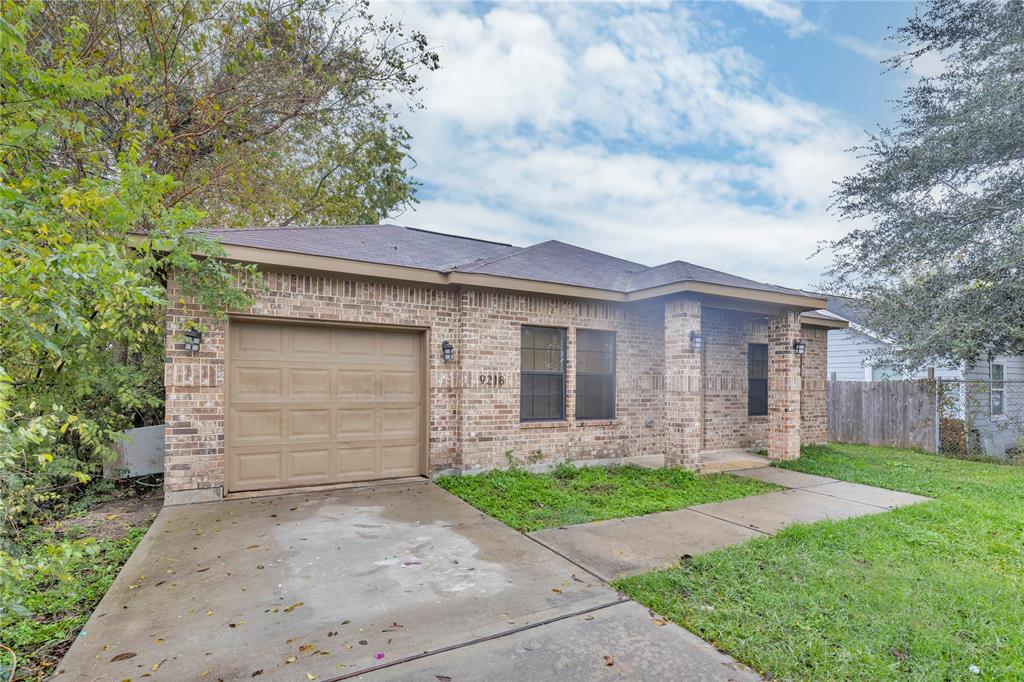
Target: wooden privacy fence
897	413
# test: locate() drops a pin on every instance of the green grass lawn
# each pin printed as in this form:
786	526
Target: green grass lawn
569	495
934	591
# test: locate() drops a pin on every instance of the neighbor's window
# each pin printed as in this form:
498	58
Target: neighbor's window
996	387
757	379
542	386
595	374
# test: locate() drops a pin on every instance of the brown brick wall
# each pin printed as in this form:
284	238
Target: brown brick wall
683	396
726	422
814	387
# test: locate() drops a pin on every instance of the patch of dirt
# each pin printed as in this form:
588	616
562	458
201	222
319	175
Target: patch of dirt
114	519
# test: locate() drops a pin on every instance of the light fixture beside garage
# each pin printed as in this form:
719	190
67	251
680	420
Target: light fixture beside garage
799	346
193	340
447	351
695	340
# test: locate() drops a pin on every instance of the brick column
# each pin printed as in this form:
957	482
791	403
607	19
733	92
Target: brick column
783	387
683	405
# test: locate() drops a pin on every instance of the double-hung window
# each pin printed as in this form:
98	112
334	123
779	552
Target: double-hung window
757	379
595	374
997	388
542	374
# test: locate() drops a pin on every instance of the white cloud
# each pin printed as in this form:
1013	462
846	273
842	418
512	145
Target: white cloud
788	13
622	129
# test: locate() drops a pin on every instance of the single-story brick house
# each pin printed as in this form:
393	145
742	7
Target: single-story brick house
376	352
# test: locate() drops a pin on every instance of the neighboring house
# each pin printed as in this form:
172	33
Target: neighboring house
988	396
375	352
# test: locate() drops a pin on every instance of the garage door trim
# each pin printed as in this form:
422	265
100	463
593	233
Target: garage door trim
424	364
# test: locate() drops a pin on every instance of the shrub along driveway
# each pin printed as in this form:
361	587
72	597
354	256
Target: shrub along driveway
931	591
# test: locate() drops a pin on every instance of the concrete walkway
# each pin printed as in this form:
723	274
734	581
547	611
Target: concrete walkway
620	547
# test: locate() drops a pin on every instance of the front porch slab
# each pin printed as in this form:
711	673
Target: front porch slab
620	547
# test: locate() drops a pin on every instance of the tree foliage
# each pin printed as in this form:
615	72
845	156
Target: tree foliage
940	265
264	111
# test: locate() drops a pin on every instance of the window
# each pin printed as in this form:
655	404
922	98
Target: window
757	379
996	387
542	389
595	374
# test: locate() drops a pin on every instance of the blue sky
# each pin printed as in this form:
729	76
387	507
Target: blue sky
707	132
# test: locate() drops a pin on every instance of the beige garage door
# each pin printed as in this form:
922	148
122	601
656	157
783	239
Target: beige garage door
311	405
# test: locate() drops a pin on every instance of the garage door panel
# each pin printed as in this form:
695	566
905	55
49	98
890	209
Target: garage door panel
258	340
399	422
256	425
357	345
357	384
399	385
356	423
317	404
398	459
250	382
311	343
310	424
259	468
310	466
403	348
355	463
309	383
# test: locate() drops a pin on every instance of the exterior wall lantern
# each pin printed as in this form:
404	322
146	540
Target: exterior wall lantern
447	351
193	340
799	346
695	340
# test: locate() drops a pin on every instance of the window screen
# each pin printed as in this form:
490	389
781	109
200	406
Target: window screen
595	374
542	386
757	379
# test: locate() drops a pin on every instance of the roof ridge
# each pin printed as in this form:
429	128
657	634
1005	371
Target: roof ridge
523	249
721	272
457	236
599	253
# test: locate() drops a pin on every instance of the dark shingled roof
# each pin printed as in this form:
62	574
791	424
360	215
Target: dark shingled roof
850	309
550	261
386	244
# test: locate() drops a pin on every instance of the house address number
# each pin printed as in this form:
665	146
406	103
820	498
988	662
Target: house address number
492	379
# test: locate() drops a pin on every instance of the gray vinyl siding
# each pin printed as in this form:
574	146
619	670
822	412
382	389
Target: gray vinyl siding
847	350
996	434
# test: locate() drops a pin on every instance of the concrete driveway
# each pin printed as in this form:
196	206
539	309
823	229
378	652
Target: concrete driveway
400	581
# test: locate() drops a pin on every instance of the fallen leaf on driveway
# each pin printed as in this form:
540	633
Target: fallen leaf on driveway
293	607
290	659
310	676
123	657
443	678
307	647
659	621
608	660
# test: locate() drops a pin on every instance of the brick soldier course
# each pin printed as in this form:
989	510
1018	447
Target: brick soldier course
671	397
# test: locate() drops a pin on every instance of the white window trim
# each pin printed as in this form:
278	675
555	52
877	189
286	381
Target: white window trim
992	390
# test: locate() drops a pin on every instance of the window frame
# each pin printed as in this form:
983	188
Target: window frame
993	390
751	379
612	374
523	372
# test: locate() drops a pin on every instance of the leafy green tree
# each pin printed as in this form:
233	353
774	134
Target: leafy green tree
943	188
266	112
81	297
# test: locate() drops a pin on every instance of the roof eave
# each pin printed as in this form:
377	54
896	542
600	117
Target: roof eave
287	259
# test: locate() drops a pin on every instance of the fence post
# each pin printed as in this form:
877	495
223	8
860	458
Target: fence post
936	385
